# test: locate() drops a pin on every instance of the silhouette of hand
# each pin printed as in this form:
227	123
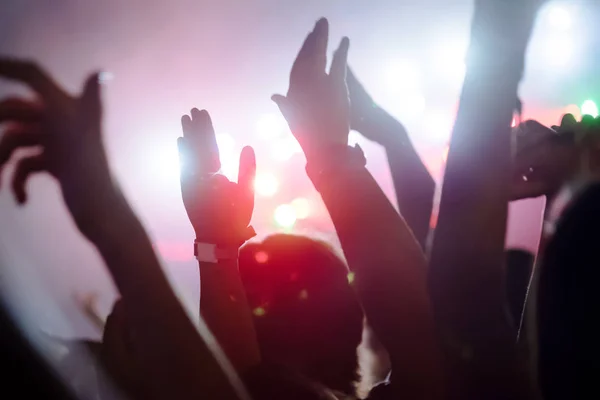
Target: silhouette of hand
545	158
317	106
65	128
219	210
366	116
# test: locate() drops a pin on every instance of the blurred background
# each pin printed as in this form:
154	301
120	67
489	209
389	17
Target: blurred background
161	58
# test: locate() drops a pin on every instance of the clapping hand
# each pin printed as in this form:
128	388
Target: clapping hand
367	118
219	210
317	106
547	158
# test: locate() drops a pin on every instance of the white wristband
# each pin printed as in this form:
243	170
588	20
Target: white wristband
210	253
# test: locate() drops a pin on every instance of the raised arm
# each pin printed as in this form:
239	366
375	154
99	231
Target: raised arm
220	213
414	186
177	361
388	263
466	264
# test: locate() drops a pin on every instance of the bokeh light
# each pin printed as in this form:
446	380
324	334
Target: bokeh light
351	276
589	107
259	311
261	257
285	216
301	207
266	184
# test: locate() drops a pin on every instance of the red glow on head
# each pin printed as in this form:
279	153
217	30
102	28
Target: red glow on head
261	257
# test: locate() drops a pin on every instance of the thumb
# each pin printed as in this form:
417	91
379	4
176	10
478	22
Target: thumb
90	98
283	104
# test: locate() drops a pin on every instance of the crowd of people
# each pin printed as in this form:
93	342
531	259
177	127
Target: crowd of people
449	312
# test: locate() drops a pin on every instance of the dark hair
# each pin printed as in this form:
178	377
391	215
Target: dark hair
568	333
306	313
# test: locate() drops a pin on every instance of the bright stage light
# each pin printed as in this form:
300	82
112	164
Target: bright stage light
589	108
270	126
165	162
301	208
410	106
438	127
230	158
449	60
559	17
402	74
559	51
284	148
285	216
266	184
225	142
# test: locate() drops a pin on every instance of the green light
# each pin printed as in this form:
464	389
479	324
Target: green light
351	277
589	108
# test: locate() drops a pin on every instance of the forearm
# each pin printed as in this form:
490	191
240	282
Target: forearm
174	355
390	277
225	309
468	251
413	184
466	267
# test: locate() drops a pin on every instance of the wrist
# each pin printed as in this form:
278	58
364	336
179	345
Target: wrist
339	158
215	254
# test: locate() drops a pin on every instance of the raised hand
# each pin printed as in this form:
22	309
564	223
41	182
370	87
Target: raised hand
547	158
317	107
66	129
219	210
367	117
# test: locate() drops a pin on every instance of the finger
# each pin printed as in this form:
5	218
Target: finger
203	142
321	39
352	82
246	175
16	109
16	137
339	64
301	67
186	125
25	167
34	76
91	104
283	105
358	95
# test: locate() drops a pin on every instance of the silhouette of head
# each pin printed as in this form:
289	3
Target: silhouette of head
568	303
306	314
